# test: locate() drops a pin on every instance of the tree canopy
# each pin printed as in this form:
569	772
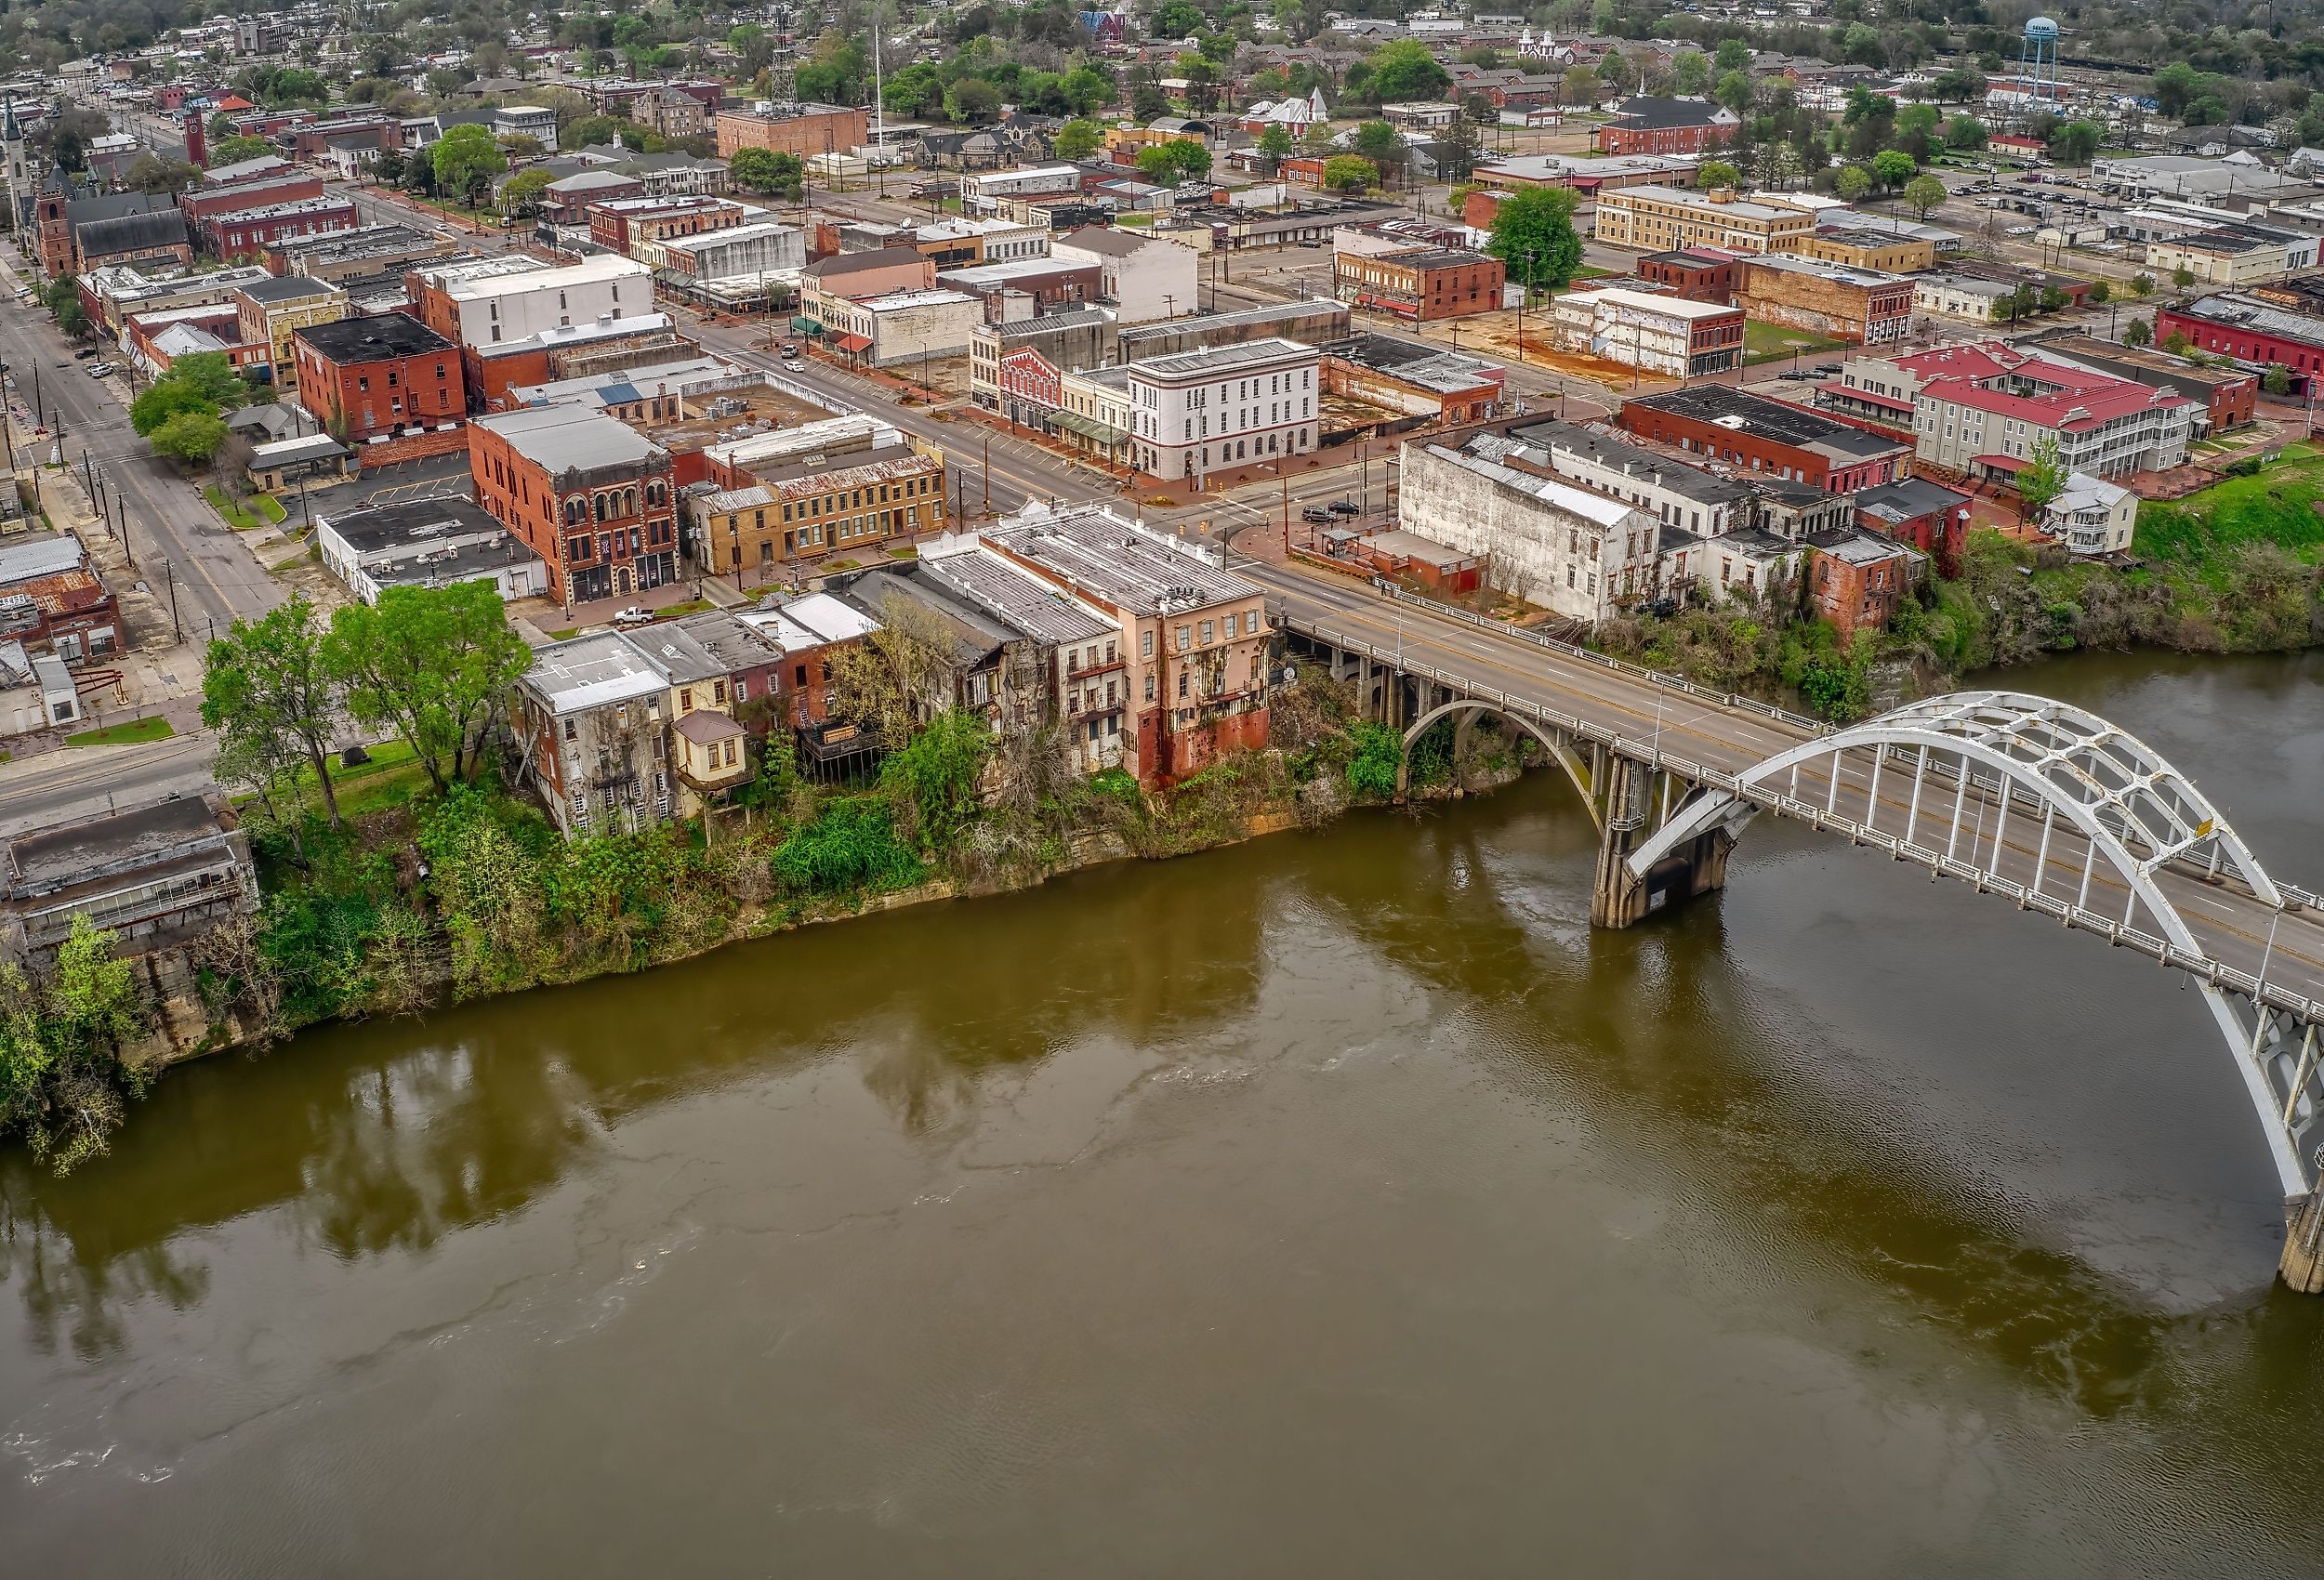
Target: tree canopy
432	663
465	160
1533	233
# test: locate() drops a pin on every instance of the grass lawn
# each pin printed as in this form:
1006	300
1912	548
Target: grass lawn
129	734
294	562
392	777
2277	505
1591	271
691	606
566	635
1773	342
271	508
236	517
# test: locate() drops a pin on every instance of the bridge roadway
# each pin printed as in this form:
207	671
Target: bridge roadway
2228	923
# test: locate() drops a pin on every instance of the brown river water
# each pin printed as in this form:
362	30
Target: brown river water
1338	1204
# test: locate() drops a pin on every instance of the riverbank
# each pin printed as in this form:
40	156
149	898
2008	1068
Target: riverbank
419	900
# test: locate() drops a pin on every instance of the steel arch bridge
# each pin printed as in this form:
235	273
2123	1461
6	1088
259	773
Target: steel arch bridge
2038	801
2044	802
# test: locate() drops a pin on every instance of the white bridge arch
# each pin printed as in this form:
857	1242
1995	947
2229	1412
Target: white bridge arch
2109	809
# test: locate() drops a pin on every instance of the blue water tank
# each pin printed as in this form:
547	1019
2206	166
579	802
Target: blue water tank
2041	27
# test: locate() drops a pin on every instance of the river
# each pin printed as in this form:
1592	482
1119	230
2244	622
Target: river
1333	1205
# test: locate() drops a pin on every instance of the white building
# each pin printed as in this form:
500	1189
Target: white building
526	121
1659	334
739	252
1961	296
980	190
903	325
426	543
1195	412
517	304
1144	277
2091	516
1569	549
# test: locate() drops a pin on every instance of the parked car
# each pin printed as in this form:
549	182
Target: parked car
634	616
794	365
101	370
790	350
1344	508
1794	373
84	352
1315	513
1828	369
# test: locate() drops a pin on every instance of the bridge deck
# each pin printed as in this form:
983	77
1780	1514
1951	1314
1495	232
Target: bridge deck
2228	924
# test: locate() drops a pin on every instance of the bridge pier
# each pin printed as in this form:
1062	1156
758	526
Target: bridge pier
1620	899
2302	1267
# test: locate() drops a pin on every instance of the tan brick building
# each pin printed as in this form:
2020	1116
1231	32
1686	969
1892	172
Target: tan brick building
1867	247
1422	284
1657	218
1831	299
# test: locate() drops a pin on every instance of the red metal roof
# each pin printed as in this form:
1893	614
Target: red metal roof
852	343
2005	463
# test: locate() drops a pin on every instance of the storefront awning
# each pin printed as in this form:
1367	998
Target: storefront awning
854	343
2010	464
1090	429
806	326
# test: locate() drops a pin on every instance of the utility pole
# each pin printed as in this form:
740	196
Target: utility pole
988	475
178	629
127	549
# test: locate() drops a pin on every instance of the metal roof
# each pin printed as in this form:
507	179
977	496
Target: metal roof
1011	592
565	438
591	670
1120	561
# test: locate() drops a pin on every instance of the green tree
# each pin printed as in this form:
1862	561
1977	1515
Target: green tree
1962	85
146	173
61	296
2077	142
1086	91
2275	379
264	680
1346	173
971	101
1533	233
1457	150
465	160
523	191
1404	71
768	173
1712	174
1170	163
1892	169
2101	293
1924	195
211	374
1177	20
1916	132
1852	183
1690	73
194	438
1276	142
2041	481
1078	139
1377	141
162	400
61	1034
2137	334
1965	133
432	663
1737	92
932	781
2182	277
1146	102
1732	55
235	150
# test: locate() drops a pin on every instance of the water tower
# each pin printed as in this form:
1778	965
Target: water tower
2037	66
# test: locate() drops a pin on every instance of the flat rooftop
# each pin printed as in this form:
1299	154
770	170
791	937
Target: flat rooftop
591	670
1119	562
566	438
1214	361
1762	418
372	339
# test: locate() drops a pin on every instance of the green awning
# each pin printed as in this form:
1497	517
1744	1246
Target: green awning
1090	429
805	326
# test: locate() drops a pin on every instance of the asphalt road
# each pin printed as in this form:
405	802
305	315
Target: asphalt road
58	786
171	529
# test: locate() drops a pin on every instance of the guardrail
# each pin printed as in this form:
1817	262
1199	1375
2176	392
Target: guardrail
1607	661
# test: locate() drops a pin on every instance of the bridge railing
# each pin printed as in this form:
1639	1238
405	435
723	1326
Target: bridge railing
1657	678
1784	804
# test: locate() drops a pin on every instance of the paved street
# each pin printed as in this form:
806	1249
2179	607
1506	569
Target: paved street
57	785
169	522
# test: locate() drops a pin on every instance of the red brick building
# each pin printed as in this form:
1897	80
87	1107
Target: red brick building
1422	284
1030	379
366	376
1934	520
248	232
1856	580
592	497
266	192
1752	433
1698	275
2230	395
618	224
1676	127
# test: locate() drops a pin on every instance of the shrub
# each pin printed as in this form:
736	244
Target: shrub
1379	753
852	845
